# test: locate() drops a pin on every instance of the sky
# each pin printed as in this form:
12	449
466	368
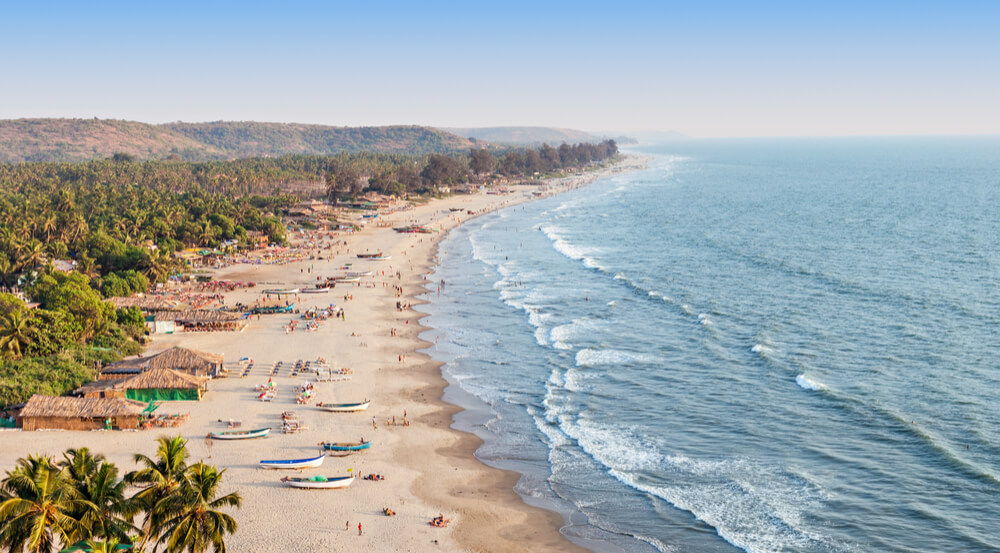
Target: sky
702	68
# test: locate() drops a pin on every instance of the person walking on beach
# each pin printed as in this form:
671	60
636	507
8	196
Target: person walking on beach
359	528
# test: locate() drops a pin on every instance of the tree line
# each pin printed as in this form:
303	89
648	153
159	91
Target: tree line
47	505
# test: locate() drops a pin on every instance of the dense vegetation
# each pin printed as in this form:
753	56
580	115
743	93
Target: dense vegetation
120	221
48	505
35	140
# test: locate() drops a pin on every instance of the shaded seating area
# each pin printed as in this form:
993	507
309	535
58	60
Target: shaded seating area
73	413
190	361
210	321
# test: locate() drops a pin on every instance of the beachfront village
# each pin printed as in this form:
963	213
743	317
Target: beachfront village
297	368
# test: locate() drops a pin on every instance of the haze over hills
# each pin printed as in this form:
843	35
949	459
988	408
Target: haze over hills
524	135
83	139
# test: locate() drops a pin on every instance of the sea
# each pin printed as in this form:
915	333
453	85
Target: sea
768	345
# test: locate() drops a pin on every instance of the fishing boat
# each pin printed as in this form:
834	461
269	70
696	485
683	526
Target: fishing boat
239	434
319	482
347	279
346	446
381	258
293	463
315	290
282	291
369	255
359	274
344	407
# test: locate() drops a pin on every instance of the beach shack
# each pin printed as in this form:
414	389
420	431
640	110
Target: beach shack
189	361
74	413
153	385
201	320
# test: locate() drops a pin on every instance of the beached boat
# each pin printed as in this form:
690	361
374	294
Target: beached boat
344	407
315	290
282	291
359	274
319	482
346	446
293	463
369	255
381	258
346	279
239	434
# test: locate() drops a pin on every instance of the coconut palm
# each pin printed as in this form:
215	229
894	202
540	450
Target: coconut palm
37	516
14	333
97	481
160	477
195	521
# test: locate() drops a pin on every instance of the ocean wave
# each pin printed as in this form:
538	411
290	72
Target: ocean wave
597	357
806	384
577	253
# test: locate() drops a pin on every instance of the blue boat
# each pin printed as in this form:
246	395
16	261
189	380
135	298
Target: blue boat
293	463
346	446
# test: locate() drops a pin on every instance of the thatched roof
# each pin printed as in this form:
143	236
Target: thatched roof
163	379
77	407
173	358
149	303
206	316
99	386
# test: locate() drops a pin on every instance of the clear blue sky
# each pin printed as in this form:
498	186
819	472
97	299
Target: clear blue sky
701	68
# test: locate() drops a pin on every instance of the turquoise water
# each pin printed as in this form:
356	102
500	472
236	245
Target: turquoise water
768	345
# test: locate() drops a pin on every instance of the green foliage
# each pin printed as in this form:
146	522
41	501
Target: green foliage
53	375
47	506
71	294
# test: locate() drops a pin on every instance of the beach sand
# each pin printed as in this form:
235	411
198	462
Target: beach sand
429	468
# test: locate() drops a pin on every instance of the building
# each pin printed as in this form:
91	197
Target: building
152	385
194	362
74	413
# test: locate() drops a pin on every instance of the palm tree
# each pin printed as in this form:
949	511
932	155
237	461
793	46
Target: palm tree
38	513
97	481
198	523
14	333
160	477
156	265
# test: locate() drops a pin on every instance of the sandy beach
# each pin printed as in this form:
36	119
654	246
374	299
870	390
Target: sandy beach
429	468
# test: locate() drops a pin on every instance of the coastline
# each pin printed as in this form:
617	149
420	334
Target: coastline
509	522
430	467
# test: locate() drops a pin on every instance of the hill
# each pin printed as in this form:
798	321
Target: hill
85	139
525	135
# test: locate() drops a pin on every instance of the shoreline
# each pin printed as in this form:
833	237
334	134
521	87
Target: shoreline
543	516
430	467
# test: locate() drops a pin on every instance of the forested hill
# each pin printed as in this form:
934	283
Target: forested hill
86	139
525	135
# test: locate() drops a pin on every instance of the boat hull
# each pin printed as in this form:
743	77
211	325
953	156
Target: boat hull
328	484
240	435
347	446
291	464
344	407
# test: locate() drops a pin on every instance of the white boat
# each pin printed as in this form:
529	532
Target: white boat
344	407
347	279
319	482
293	463
381	258
240	434
359	274
282	292
315	290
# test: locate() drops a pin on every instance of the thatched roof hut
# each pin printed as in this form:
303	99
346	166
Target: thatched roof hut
199	320
164	385
74	413
149	304
198	363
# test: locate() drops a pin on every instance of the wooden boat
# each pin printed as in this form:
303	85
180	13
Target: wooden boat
282	291
346	446
319	482
344	407
381	258
239	434
369	255
315	290
293	463
359	274
346	279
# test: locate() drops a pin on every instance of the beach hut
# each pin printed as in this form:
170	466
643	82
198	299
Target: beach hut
207	320
161	323
73	413
164	385
198	363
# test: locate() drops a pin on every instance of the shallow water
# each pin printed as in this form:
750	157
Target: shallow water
768	345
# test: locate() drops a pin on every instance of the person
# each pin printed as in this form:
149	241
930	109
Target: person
359	528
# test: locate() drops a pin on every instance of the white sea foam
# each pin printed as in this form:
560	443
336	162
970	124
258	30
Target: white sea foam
806	384
578	253
597	357
704	319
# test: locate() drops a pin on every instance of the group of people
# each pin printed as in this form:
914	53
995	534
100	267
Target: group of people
439	521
